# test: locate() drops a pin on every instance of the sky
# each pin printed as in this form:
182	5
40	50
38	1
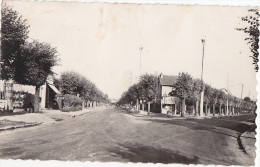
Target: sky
101	41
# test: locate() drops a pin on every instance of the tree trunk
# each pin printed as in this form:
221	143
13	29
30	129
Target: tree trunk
183	107
83	105
206	109
197	108
143	106
219	112
36	107
137	104
213	110
149	105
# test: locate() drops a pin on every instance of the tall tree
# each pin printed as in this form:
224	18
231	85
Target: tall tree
196	90
148	85
207	97
183	88
221	99
214	100
253	32
14	33
33	66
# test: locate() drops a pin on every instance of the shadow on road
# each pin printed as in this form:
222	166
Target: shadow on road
6	113
148	154
206	124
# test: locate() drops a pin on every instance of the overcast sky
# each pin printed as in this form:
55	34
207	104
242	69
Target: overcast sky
101	41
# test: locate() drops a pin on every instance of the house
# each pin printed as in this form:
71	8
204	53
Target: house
12	94
165	86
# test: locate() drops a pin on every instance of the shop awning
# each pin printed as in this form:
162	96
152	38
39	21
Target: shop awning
54	89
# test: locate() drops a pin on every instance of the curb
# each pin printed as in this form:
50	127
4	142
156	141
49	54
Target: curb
241	142
21	126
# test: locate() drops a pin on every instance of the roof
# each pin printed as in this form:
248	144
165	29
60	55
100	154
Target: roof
167	80
54	88
227	92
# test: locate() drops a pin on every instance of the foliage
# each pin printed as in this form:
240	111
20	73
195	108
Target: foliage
214	97
221	97
145	89
71	82
148	86
253	32
71	100
208	92
196	89
183	86
248	99
14	33
34	63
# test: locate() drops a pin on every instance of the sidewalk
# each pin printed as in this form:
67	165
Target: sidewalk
21	119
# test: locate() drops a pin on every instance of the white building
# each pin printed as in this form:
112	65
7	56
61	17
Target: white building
48	94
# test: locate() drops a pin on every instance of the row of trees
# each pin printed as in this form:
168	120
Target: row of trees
24	62
71	82
145	90
187	89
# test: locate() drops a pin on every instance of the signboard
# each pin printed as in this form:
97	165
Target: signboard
168	100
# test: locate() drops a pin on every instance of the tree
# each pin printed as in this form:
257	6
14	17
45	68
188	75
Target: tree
248	99
221	98
207	96
33	66
14	33
237	103
253	32
72	82
214	99
231	102
148	84
183	88
196	90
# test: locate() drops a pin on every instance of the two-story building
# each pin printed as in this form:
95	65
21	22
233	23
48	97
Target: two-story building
165	86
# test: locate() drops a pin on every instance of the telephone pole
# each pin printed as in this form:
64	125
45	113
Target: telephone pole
202	92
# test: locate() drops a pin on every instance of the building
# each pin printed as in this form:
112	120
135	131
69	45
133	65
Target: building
12	94
168	103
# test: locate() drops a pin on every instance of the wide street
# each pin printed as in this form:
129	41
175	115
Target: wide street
113	134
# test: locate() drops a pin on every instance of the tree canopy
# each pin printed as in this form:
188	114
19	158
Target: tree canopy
34	63
14	33
71	82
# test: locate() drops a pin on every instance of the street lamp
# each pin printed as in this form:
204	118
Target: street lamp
202	92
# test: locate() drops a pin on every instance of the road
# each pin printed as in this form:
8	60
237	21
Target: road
114	135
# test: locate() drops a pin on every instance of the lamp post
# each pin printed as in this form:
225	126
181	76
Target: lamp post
202	92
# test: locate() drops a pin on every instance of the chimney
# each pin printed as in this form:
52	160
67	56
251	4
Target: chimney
161	75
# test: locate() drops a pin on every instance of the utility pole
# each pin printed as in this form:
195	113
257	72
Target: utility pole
202	92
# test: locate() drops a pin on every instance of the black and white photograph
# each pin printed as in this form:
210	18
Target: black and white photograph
139	83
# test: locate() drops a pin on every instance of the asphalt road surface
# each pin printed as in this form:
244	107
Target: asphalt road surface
114	135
